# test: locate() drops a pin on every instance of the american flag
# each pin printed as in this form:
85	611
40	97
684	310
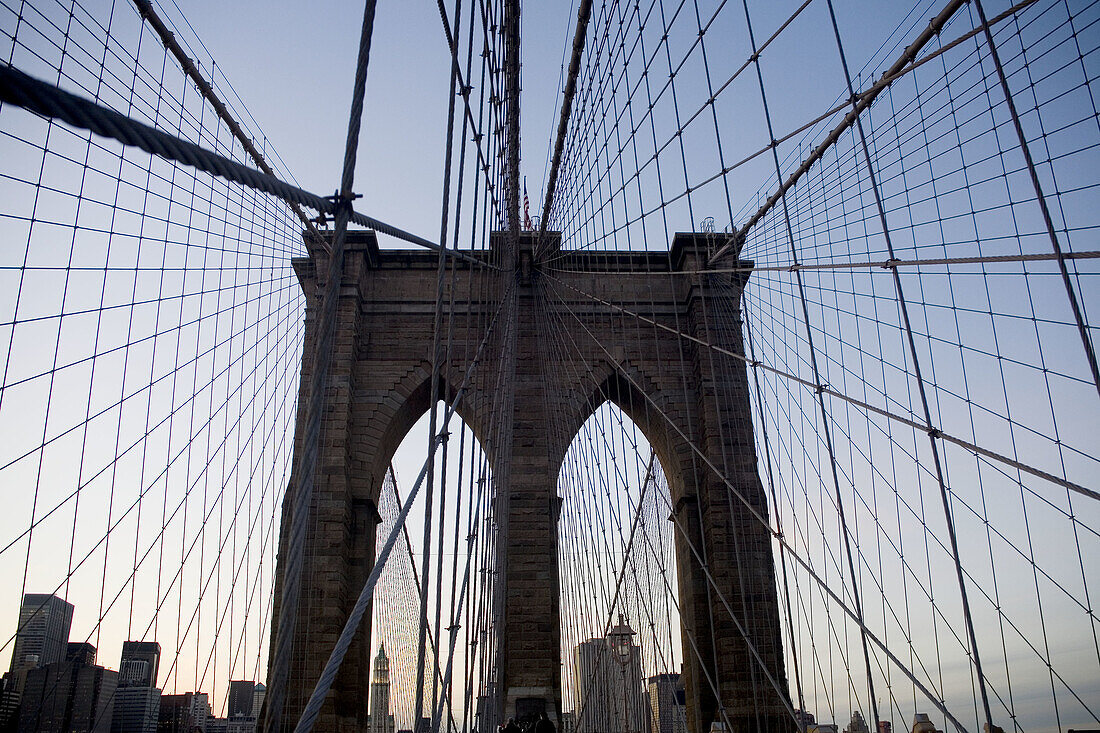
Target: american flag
526	206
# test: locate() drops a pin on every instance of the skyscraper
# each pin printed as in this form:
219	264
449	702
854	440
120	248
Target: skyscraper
69	696
137	700
608	679
184	713
258	695
666	704
43	631
140	664
240	699
380	720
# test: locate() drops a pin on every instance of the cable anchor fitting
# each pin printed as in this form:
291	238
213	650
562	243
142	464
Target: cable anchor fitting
339	200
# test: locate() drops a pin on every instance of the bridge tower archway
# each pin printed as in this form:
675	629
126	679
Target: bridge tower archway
690	400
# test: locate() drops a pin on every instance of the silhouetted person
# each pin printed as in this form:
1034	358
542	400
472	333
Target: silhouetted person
544	725
512	727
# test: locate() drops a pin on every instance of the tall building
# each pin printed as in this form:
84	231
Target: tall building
43	631
380	720
136	710
857	724
608	679
137	700
200	711
81	652
175	713
71	695
666	704
240	699
258	695
186	713
140	664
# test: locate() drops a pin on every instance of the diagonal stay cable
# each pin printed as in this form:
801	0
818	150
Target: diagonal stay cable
886	80
145	9
826	389
584	13
318	386
42	98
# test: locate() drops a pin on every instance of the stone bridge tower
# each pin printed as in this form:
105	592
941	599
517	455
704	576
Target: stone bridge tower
690	401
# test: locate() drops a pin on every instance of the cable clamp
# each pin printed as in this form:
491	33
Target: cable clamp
820	388
934	433
890	264
794	268
339	199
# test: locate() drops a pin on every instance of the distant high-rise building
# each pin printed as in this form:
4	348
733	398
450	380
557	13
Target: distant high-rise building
857	724
240	725
666	704
43	632
258	695
200	711
137	700
73	695
240	699
802	717
608	679
922	724
136	710
80	652
9	702
140	664
184	713
176	713
380	720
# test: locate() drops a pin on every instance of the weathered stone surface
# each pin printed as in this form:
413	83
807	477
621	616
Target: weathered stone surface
575	352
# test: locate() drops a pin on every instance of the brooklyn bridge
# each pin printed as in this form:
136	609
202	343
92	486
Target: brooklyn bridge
773	404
